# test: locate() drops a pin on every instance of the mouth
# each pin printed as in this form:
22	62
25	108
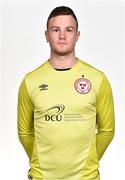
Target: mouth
62	43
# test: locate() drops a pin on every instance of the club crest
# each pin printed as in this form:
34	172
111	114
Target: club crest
82	85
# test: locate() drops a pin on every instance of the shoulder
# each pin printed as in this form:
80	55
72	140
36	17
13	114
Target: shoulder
33	77
36	70
94	75
91	69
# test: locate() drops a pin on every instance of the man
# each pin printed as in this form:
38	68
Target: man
65	108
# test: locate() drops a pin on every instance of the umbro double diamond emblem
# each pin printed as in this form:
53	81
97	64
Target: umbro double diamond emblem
43	87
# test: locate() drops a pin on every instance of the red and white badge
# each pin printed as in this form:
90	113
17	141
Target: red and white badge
82	85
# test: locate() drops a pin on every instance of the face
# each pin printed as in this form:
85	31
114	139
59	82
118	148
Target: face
62	34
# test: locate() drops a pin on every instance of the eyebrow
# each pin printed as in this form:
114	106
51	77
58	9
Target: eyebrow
59	27
54	27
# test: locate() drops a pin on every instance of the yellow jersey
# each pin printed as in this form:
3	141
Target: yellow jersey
65	121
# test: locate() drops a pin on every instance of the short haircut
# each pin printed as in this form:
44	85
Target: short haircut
62	10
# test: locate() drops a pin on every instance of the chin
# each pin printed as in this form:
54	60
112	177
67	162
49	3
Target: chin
63	53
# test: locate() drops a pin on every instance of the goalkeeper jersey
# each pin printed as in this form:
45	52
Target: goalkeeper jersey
65	121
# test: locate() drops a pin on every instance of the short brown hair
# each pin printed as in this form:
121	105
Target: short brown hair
62	10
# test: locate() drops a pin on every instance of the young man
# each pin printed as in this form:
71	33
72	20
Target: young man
65	109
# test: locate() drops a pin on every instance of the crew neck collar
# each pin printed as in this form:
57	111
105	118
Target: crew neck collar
69	70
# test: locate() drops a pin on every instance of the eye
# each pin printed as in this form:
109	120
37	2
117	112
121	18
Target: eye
55	30
69	30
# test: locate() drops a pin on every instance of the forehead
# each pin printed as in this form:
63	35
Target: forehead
62	20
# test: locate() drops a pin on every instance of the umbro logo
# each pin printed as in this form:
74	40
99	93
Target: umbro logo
43	87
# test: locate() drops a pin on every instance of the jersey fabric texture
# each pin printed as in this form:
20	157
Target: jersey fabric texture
65	121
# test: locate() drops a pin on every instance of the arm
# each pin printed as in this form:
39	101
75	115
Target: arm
25	119
105	117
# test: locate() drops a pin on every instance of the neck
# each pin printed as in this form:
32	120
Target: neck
66	61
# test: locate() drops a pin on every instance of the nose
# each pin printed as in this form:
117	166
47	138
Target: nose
62	35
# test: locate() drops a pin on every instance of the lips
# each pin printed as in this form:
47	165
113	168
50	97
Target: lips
62	43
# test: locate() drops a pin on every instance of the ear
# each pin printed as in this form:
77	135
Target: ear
77	36
46	35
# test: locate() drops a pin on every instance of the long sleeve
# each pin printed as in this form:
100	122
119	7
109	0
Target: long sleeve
25	119
105	117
